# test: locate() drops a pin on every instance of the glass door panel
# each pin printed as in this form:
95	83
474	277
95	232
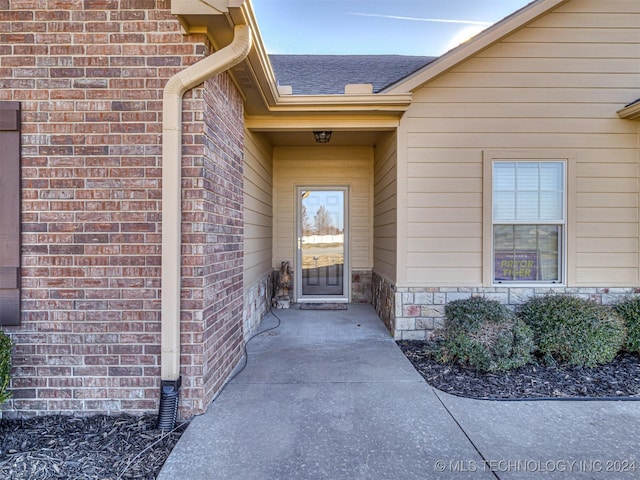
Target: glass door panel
322	243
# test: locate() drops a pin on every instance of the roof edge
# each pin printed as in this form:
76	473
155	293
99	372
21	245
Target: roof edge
631	111
375	102
483	40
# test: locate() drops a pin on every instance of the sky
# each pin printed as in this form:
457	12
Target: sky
371	27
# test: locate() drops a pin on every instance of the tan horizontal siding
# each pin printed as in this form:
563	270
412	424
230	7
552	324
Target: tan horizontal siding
598	6
602	36
609	199
447	214
606	259
445	200
605	215
550	66
385	208
596	276
608	169
529	140
530	110
444	185
324	166
523	125
561	80
595	230
606	185
448	230
608	244
554	85
435	169
512	96
449	276
444	245
451	259
258	209
592	19
605	50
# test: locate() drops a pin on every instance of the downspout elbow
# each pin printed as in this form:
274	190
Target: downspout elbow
218	62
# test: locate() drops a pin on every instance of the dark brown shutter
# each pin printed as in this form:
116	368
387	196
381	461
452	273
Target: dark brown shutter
9	213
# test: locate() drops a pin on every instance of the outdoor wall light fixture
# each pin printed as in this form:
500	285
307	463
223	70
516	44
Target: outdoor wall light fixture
322	136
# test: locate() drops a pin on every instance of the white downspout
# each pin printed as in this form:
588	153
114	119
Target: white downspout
177	85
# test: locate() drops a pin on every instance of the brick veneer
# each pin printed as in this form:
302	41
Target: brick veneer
212	309
89	75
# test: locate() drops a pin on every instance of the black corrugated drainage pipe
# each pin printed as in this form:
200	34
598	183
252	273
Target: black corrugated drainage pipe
169	397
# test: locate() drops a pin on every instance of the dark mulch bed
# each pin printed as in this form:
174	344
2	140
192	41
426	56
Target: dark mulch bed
99	447
620	378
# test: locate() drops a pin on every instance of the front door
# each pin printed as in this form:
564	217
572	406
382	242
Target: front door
322	261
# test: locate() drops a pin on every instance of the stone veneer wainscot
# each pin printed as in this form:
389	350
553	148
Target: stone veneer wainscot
416	313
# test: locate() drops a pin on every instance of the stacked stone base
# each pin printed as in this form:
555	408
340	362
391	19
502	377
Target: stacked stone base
361	286
256	304
416	313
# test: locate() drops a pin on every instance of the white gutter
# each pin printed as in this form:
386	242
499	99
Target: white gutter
176	87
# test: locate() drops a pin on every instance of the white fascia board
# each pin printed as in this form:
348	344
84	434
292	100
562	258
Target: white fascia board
276	123
342	103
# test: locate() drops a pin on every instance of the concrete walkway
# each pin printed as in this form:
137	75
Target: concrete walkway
329	395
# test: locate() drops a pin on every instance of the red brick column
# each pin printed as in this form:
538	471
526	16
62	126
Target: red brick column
89	75
212	246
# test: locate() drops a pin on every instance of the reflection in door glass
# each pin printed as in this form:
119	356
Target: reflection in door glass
322	228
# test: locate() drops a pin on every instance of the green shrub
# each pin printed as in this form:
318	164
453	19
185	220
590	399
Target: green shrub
574	330
485	334
629	310
5	367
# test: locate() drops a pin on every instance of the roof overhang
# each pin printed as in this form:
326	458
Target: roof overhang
480	42
343	103
255	78
631	111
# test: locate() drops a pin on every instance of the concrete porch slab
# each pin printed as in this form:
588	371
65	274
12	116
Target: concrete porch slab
327	395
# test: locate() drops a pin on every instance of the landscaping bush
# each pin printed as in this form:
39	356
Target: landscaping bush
574	330
629	310
5	367
485	334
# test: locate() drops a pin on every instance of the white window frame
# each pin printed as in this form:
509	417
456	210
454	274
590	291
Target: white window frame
565	265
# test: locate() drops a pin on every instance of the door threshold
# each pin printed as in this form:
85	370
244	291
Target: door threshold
303	301
323	306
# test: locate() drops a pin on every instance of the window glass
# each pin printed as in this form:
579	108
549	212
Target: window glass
527	253
528	218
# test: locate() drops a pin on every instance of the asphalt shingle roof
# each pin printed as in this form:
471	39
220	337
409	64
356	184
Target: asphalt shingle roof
328	74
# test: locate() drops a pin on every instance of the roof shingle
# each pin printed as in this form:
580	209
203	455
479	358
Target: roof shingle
329	74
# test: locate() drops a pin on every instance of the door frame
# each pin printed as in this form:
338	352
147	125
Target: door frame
346	271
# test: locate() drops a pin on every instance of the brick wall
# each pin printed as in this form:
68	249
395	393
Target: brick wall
89	75
212	317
